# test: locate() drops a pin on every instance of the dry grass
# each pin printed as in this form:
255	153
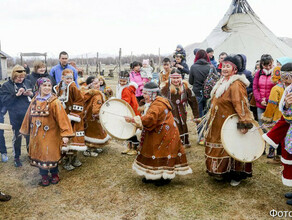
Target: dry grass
106	188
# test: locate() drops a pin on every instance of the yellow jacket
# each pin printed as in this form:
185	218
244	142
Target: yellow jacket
272	112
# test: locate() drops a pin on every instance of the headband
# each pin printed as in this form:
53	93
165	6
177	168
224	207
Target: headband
232	64
68	77
175	75
285	74
123	77
151	90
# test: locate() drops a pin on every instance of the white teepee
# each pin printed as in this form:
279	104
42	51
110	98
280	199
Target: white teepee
241	31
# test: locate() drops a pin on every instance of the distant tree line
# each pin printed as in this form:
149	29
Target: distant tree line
92	61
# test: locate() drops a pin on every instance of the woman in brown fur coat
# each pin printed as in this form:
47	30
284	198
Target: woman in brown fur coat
161	155
49	127
228	97
179	95
95	135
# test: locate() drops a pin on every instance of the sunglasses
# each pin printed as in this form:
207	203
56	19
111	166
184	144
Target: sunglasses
20	71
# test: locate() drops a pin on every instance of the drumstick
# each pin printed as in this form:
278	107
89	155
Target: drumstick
113	114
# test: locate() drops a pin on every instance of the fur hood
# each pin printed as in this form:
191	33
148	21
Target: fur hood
221	86
164	101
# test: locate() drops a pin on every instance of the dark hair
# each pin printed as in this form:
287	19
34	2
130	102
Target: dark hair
209	50
223	53
202	54
136	63
165	60
90	79
287	67
265	60
196	50
124	74
175	70
63	53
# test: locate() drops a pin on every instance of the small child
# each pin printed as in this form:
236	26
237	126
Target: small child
126	91
179	50
95	136
72	100
135	76
146	70
49	127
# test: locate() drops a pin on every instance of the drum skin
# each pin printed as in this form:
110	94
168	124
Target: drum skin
112	119
242	147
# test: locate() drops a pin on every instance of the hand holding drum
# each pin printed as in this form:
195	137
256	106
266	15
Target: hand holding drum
242	144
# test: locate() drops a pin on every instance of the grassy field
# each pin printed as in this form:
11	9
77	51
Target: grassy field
106	188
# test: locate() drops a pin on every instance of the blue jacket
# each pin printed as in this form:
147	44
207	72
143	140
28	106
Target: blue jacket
213	62
56	73
155	78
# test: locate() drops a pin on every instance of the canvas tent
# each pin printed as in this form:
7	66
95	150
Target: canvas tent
241	31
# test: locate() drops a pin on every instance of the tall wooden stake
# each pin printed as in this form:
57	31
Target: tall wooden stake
97	72
120	59
159	59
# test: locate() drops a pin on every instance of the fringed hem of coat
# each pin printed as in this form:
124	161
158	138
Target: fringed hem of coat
96	140
43	165
155	173
75	148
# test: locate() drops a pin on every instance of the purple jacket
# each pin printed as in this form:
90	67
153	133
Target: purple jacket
136	77
262	86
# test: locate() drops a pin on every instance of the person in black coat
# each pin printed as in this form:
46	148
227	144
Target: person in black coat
181	65
16	95
198	74
26	67
246	72
39	70
3	148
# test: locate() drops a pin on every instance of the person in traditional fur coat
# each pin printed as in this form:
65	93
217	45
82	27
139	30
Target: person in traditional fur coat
49	128
164	74
107	91
179	95
126	91
72	100
160	155
228	97
95	135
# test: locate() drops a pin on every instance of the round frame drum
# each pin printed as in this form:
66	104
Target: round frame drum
112	119
242	147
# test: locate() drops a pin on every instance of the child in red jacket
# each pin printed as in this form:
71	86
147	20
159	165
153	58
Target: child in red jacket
126	91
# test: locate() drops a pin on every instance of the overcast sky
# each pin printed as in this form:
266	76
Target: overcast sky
83	27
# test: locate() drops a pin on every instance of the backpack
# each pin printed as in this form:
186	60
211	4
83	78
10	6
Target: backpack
209	83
